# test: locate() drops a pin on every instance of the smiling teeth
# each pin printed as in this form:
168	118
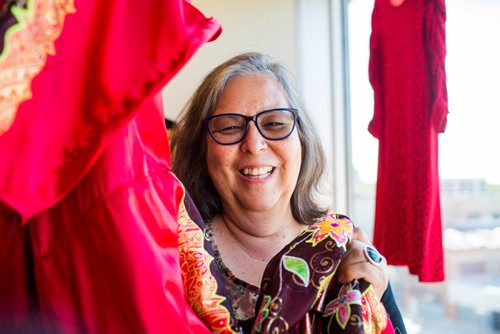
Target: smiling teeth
262	171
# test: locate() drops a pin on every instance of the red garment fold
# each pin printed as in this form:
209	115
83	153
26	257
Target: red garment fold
88	204
108	59
105	259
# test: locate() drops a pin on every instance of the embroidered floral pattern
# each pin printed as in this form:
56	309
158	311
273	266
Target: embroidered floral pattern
374	313
264	312
242	295
338	228
341	306
200	285
297	266
25	51
288	305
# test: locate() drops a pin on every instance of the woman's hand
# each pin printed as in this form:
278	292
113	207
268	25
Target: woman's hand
355	265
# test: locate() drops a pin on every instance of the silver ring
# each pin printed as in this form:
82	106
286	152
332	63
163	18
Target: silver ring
373	256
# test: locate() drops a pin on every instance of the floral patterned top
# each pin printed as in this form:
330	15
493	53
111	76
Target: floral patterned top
299	291
243	295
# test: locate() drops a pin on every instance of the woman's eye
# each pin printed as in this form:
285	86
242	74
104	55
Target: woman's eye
273	124
229	129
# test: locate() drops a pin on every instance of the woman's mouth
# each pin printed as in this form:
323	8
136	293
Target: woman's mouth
258	173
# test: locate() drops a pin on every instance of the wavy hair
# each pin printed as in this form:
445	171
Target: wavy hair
189	149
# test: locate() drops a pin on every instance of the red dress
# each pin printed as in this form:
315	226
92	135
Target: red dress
408	78
88	205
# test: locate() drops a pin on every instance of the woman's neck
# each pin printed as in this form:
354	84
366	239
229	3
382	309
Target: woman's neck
248	242
264	223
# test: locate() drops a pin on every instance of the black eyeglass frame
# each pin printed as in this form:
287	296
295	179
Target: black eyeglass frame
253	118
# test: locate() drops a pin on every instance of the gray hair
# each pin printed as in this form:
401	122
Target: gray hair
189	149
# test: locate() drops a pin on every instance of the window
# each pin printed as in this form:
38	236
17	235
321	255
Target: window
467	302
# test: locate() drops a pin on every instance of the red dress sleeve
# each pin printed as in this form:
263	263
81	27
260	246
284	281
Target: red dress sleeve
88	203
78	73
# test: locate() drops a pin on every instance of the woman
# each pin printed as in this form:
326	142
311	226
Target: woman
252	162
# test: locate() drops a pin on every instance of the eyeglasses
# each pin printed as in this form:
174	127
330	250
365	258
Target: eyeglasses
272	124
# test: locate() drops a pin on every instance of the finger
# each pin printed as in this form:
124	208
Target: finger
348	271
361	270
358	234
355	265
370	273
354	252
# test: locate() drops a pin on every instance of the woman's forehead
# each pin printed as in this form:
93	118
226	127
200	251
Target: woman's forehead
251	93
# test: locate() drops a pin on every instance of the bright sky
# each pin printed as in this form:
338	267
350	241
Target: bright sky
470	147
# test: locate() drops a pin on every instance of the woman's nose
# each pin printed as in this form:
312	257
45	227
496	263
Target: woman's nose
253	141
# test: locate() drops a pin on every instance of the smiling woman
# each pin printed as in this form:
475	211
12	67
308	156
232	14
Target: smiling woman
247	153
192	138
235	170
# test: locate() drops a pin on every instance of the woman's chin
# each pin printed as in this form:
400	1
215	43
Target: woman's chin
260	204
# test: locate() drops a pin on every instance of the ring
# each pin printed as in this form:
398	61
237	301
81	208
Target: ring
373	256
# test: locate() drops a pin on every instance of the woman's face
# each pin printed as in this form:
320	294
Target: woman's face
255	174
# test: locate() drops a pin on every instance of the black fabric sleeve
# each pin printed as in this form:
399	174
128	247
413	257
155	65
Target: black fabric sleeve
393	311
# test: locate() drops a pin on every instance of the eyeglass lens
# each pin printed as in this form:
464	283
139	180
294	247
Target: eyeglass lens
231	128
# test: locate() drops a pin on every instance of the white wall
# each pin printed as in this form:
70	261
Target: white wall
247	25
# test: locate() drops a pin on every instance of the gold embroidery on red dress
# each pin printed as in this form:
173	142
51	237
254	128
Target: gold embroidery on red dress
199	284
26	44
374	313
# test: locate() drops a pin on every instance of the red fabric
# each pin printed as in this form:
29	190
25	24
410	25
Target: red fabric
408	78
389	329
110	56
88	205
104	259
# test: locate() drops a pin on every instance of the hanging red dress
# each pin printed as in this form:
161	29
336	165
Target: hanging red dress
88	205
407	73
